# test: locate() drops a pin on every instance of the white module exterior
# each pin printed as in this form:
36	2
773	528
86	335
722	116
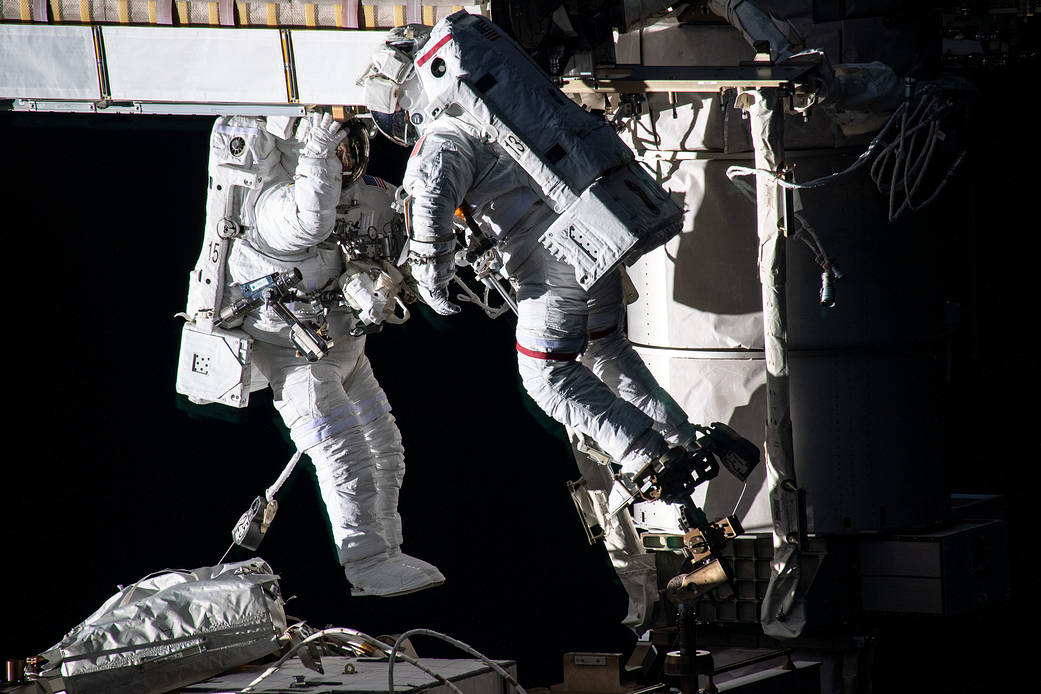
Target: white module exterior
864	375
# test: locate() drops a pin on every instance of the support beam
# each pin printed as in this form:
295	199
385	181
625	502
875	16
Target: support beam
783	613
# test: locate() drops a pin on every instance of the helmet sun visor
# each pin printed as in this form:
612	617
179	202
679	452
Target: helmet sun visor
396	126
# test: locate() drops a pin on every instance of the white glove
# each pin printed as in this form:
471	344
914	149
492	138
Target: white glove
432	262
432	265
437	299
622	494
322	136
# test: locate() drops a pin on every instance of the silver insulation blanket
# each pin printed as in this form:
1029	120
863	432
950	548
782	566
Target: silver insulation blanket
170	629
782	609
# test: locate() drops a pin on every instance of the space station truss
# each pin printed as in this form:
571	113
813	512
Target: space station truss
342	14
194	56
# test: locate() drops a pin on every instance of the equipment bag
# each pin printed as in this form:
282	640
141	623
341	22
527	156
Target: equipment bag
169	630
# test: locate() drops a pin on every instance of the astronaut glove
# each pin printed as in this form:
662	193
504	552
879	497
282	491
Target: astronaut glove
432	265
437	299
322	137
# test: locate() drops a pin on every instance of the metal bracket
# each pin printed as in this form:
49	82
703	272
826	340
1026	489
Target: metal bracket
104	89
292	89
641	79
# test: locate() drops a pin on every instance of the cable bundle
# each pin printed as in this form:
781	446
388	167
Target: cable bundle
901	168
363	644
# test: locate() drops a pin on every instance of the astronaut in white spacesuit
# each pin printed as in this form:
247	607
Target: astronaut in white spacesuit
573	355
336	411
565	204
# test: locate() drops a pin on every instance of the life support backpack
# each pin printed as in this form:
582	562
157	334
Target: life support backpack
611	210
214	364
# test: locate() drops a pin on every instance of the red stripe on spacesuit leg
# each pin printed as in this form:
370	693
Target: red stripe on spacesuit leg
426	56
552	356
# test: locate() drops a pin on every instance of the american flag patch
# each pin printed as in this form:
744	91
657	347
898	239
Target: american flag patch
374	181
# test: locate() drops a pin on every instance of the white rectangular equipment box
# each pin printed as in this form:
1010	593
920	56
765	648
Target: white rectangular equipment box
215	366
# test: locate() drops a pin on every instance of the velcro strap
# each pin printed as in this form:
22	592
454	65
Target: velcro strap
350	13
226	12
413	11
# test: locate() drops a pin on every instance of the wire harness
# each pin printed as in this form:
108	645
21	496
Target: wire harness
901	166
458	644
903	158
365	645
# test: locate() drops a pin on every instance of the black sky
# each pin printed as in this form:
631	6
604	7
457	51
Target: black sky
110	475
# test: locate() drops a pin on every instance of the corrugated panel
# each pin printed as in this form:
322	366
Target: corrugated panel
139	13
372	14
12	10
201	13
76	11
158	51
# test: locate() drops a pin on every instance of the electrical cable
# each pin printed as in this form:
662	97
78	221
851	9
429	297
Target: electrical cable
226	553
815	244
458	644
351	635
906	163
804	232
898	171
734	171
740	496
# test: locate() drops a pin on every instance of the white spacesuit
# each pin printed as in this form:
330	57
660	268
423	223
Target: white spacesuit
335	410
573	356
567	205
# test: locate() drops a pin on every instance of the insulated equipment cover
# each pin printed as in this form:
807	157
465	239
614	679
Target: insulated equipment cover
169	630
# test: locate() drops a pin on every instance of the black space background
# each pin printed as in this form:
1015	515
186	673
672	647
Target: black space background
109	475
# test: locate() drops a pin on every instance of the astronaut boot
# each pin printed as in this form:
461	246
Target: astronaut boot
429	569
387	576
388	486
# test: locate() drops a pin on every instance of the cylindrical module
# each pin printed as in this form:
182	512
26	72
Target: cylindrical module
865	376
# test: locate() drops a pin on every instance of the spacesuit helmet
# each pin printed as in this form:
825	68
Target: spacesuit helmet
391	86
353	151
